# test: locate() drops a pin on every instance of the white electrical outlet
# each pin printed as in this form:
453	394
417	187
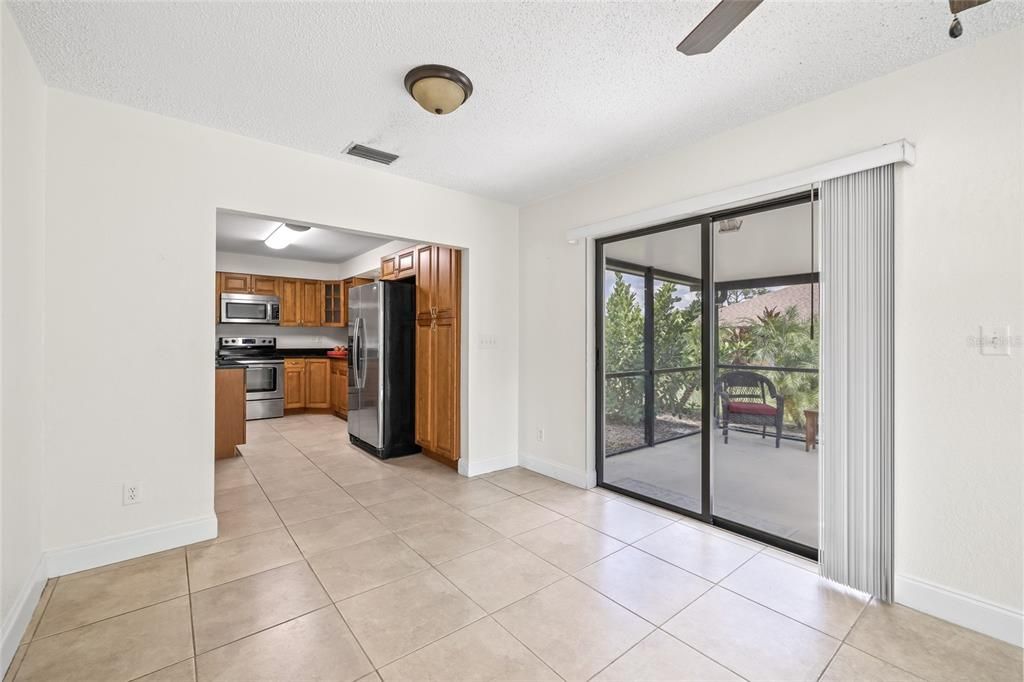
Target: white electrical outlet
540	435
132	493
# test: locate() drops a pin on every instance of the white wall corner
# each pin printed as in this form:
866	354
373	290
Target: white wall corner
129	546
17	620
477	467
572	476
962	609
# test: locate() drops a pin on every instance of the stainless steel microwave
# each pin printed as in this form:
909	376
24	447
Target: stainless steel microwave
249	309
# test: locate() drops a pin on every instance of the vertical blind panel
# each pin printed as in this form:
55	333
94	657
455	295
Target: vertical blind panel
856	458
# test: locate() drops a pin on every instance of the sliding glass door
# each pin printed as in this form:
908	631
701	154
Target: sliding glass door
651	382
707	376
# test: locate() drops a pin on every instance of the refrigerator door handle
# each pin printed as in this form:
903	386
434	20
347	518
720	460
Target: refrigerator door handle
355	353
361	376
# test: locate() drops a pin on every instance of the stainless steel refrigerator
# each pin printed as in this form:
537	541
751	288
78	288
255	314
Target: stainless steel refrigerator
382	368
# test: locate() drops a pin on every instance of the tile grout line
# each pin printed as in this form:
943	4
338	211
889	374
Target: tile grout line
316	577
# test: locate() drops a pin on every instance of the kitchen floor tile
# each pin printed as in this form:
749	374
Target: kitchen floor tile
751	640
12	669
566	499
247	520
449	536
292	485
317	505
621	521
649	587
119	648
349	473
374	492
481	651
317	646
233	559
931	648
798	593
336	530
709	556
853	665
572	628
231	611
94	597
233	498
568	544
179	672
520	481
408	511
361	567
514	516
232	478
398	618
663	658
522	573
470	494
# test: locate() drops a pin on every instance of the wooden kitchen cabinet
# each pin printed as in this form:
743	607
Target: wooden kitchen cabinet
290	294
399	265
309	301
437	387
339	387
235	283
264	285
229	411
438	281
294	384
318	383
335	311
241	283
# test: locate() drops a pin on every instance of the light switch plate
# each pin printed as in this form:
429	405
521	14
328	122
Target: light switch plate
994	340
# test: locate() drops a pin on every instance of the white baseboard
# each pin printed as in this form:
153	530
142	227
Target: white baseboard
476	467
963	609
129	545
14	625
569	475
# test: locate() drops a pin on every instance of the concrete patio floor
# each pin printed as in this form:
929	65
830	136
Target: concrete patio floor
774	490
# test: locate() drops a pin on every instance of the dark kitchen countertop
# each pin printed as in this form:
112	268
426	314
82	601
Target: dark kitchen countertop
305	353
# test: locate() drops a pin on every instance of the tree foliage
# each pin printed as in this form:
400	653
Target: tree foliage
773	339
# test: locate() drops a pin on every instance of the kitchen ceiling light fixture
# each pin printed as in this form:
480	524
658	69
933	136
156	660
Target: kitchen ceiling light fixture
284	235
438	89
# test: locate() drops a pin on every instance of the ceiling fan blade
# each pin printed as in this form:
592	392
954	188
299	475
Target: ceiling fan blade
719	23
957	6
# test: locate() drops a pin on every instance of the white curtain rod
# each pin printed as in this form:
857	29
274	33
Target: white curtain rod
900	151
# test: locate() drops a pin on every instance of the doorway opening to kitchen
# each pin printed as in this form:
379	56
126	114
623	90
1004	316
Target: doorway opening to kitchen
336	331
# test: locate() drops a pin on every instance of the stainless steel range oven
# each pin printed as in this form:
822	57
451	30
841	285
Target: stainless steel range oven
264	373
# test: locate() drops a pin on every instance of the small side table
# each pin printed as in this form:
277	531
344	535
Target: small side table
810	429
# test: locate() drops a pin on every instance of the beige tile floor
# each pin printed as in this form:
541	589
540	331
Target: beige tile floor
332	565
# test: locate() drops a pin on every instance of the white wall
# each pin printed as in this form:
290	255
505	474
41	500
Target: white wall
275	267
958	264
121	183
22	150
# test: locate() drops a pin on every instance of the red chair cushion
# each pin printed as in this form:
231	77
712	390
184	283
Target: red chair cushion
752	408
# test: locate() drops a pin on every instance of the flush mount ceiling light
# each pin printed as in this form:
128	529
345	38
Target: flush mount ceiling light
438	89
284	235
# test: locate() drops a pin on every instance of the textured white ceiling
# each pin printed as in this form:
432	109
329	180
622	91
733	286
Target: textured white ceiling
565	93
239	233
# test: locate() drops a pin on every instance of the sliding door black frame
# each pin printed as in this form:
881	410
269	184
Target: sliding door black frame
709	357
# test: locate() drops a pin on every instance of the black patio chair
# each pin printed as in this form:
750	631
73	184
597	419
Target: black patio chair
749	398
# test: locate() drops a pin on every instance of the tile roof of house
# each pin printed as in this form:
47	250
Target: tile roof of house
798	296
